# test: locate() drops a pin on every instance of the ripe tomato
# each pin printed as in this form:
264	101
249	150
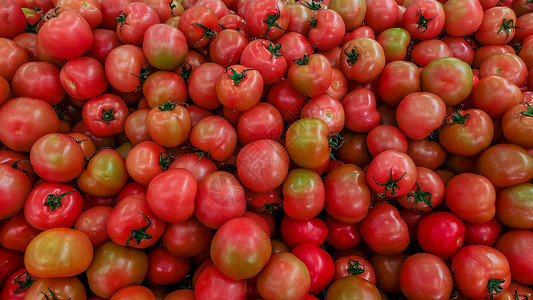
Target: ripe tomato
166	268
307	142
449	78
497	26
424	20
239	87
17	285
297	232
362	59
284	277
126	68
216	136
514	245
58	252
389	240
310	74
198	23
425	275
15	186
266	19
303	194
57	288
163	86
169	124
427	193
38	79
341	235
441	234
352	12
505	165
105	174
213	283
385	137
353	265
93	222
265	57
397	80
164	46
352	287
391	173
513	208
480	271
517	124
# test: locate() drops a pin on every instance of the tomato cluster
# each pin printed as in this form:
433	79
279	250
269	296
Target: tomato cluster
266	149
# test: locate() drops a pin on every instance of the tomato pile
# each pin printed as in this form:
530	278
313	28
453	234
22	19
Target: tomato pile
266	149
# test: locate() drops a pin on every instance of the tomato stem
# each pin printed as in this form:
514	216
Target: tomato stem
25	284
312	5
355	267
420	196
423	21
108	115
457	118
51	16
528	112
303	60
271	21
352	56
237	77
143	74
494	287
313	22
54	297
273	48
122	20
208	32
140	234
507	25
15	166
80	141
54	201
32	28
390	185
164	161
202	154
167	106
335	141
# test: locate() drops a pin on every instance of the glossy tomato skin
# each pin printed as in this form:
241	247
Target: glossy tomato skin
16	233
57	157
220	197
385	137
514	245
295	232
38	79
164	46
145	161
239	87
513	208
52	205
166	268
13	56
441	234
264	56
258	13
487	33
352	12
188	238
462	17
518	124
425	275
115	267
215	135
389	240
240	248
347	194
93	222
133	223
83	78
428	108
353	287
17	285
362	59
16	186
354	265
58	252
169	124
505	165
122	66
263	165
475	203
495	95
273	281
213	283
25	120
391	173
482	233
105	175
307	143
424	19
448	77
67	35
198	24
474	266
303	74
105	115
303	194
318	262
418	200
62	288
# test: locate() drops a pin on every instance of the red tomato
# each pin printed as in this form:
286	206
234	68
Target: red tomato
171	195
462	17
318	262
296	232
513	208
514	245
341	235
352	12
310	75
362	59
391	173
424	20
353	265
505	165
198	23
188	238
353	286
397	80
105	174
482	233
239	87
169	124
326	108
265	56
427	193
266	19
449	78
471	197
425	275
163	86
389	240
17	285
164	46
307	142
497	27
441	233
57	288
166	268
15	186
39	80
89	10
284	277
213	283
303	194
93	222
216	136
517	124
386	137
480	271
227	47
126	68
146	160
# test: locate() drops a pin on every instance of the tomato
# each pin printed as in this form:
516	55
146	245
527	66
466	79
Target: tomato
52	205
188	238
266	19
58	252
135	126
354	149
13	19
163	86
57	288
441	234
284	277
115	267
353	265
512	207
466	132
136	292
105	174
386	137
303	194
514	245
240	248
517	124
424	20
307	142
239	87
475	203
506	65
15	186
126	68
214	135
362	59
93	222
424	275
17	285
341	235
426	153
389	240
495	95
169	124
397	80
104	40
198	24
213	283
16	233
391	173
352	12
427	193
387	270
219	198
25	120
482	233
318	262
462	17
262	121
360	110
515	290
286	100
293	47
505	165
497	27
166	268
310	75
146	160
227	47
327	29
480	271
460	48
83	78
394	42
265	57
89	10
38	79
57	157
164	46
352	287
12	57
297	232
449	78
427	51
132	223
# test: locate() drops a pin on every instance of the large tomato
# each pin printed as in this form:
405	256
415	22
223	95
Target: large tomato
471	197
424	275
307	143
515	245
391	173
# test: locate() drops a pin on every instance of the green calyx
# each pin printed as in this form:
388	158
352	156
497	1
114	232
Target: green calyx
494	287
137	235
507	26
312	5
351	57
302	61
420	196
121	19
313	22
108	115
167	106
272	21
164	161
423	21
209	33
143	75
335	141
186	71
457	118
236	76
25	284
390	185
355	267
528	112
54	201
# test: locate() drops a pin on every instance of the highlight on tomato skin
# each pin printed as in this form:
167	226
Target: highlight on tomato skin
266	149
